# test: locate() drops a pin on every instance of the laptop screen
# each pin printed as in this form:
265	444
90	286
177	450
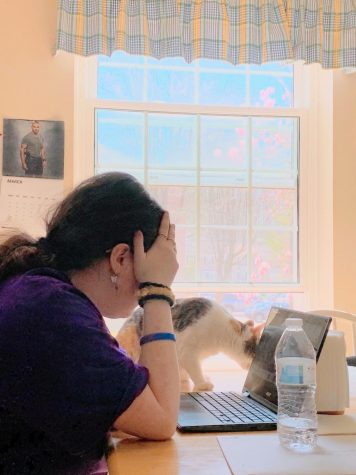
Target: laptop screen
261	378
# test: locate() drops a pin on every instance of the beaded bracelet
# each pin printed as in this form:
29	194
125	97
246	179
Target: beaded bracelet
151	292
145	299
157	336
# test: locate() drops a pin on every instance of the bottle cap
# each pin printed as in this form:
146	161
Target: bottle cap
294	322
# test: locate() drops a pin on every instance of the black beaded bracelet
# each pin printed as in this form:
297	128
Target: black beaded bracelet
144	299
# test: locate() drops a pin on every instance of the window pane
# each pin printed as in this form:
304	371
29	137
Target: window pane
227	206
122	84
273	146
271	91
273	207
223	254
186	240
119	139
173	87
171	141
180	201
224	142
222	89
272	252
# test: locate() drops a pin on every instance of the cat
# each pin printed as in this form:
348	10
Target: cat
203	328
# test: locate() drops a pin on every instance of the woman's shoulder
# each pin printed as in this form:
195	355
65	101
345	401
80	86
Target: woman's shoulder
39	283
45	292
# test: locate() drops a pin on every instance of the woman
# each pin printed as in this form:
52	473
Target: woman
64	382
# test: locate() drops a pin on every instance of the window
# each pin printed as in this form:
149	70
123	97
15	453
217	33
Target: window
223	149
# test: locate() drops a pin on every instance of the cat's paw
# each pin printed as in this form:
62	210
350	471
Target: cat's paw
204	386
184	376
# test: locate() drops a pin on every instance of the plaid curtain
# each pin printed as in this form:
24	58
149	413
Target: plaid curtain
246	31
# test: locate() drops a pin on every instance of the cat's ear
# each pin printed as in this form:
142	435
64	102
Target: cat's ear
255	330
252	329
258	329
236	325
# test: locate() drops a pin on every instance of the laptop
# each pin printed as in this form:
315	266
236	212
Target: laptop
256	407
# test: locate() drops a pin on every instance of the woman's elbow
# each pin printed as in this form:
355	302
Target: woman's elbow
165	431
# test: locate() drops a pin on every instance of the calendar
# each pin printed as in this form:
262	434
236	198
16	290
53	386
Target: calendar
26	202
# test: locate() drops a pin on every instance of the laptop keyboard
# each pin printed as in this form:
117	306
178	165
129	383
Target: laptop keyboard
230	407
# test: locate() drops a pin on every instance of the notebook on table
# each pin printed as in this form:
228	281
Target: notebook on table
256	407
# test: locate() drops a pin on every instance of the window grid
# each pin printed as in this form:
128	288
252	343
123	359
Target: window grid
249	225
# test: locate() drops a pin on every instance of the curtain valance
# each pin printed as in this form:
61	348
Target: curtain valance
247	31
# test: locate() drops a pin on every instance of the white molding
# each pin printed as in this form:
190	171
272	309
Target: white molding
84	93
196	109
324	292
316	187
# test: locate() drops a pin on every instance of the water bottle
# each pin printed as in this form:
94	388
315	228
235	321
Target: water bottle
296	383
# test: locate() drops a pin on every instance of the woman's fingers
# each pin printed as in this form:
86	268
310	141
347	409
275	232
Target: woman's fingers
139	251
164	226
172	236
172	232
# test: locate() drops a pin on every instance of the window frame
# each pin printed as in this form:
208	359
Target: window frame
314	261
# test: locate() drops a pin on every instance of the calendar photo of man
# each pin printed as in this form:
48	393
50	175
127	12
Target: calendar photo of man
33	148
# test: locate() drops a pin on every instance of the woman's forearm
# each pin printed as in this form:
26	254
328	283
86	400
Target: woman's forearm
160	357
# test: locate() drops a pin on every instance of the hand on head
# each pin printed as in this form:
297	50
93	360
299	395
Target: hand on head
159	264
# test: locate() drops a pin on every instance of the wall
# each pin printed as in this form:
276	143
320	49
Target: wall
344	149
34	83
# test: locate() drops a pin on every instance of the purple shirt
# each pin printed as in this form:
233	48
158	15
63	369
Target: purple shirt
63	378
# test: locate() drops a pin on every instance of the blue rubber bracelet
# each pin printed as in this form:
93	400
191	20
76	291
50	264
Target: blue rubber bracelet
157	336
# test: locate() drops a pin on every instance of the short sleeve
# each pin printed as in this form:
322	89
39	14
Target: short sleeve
77	380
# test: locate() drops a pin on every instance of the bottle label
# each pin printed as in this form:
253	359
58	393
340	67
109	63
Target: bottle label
293	370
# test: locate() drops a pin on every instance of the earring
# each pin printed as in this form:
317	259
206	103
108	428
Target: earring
114	280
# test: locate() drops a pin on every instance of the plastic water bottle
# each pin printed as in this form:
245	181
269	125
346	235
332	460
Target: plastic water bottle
296	383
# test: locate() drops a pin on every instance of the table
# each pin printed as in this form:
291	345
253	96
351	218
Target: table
187	454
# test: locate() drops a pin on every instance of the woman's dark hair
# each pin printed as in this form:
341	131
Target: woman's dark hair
101	212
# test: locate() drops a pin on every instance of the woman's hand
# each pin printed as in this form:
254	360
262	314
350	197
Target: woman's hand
159	264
